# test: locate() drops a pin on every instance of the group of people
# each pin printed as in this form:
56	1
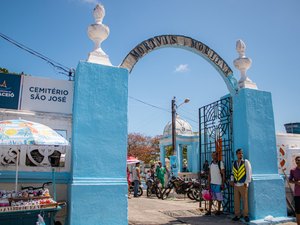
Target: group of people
158	171
240	179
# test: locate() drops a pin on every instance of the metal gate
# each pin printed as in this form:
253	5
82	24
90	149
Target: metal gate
215	127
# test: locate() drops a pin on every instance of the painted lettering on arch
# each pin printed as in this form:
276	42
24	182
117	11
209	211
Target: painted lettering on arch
175	40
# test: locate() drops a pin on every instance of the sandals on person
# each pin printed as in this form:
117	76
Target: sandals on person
208	213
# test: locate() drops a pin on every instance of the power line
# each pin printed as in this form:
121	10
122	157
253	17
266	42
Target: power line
157	107
188	118
66	70
187	112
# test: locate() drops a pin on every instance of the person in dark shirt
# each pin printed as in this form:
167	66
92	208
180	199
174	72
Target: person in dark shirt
206	167
295	179
152	171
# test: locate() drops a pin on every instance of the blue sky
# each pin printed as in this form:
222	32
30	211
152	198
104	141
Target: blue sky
270	29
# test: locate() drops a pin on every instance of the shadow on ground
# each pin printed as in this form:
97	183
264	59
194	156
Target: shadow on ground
194	217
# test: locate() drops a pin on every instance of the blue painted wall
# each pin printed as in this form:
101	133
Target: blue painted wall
254	128
98	181
195	158
254	132
267	196
34	177
162	155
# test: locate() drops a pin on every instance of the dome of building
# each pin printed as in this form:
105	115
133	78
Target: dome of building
182	128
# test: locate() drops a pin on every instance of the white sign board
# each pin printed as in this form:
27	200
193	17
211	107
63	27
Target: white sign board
46	95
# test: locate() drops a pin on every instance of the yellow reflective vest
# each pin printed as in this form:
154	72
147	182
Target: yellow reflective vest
239	172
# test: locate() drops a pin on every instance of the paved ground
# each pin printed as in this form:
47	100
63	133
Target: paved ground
173	211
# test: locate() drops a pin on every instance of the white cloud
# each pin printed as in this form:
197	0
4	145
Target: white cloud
90	1
182	68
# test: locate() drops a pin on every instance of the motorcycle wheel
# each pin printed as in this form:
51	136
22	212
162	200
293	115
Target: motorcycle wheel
190	195
149	192
197	194
140	192
158	192
165	193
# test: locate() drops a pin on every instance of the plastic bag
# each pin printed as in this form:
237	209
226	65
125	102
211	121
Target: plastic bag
40	220
206	195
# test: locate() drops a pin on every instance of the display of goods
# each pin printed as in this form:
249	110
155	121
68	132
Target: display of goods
25	200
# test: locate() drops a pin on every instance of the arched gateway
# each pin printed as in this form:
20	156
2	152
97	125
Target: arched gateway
222	110
98	185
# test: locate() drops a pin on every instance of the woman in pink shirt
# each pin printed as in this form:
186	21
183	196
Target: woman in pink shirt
295	179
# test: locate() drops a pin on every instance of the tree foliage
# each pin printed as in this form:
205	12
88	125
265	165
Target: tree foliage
143	147
6	71
3	70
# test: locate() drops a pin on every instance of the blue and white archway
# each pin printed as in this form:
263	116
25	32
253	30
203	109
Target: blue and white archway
98	181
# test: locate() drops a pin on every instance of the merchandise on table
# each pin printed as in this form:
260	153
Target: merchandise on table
26	200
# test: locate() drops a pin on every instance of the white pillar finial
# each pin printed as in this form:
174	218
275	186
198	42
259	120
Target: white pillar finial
240	48
243	64
99	13
98	32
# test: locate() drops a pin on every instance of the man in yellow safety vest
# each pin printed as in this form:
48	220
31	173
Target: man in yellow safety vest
240	179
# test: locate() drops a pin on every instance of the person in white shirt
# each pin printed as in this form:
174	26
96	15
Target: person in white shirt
240	179
136	179
216	179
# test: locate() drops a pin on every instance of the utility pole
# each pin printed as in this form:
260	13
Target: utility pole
174	125
174	114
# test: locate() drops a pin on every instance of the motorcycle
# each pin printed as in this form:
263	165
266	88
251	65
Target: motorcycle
180	186
140	190
198	186
153	187
196	189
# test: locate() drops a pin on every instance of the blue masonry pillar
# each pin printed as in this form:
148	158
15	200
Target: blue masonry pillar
254	132
190	157
196	158
179	156
162	155
98	188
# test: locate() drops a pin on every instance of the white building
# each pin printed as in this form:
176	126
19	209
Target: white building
44	101
288	147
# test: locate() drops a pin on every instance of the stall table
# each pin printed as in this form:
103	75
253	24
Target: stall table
29	217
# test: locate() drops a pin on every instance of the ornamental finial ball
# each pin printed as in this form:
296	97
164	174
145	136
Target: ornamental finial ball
99	13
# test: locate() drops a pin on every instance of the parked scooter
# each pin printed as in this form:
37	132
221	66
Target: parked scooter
140	190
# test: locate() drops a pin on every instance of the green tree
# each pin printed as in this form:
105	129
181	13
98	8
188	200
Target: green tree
143	147
169	151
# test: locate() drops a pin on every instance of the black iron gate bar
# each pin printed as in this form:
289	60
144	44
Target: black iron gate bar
215	122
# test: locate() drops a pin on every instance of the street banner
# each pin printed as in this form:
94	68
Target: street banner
9	90
46	95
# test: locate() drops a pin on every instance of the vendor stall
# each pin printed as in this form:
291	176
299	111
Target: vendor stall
30	204
23	207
